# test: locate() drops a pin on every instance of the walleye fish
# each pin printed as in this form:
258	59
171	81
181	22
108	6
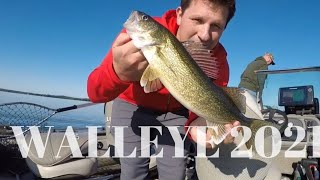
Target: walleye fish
170	62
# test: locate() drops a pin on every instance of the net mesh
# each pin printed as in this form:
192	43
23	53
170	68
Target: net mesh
24	109
20	114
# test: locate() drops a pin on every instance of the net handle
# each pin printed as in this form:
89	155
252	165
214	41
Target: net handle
56	110
75	107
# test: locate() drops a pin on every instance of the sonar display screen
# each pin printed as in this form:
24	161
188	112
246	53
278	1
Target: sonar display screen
292	96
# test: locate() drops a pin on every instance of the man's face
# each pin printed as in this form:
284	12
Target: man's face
268	58
202	22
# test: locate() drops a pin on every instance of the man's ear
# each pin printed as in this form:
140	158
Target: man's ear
179	15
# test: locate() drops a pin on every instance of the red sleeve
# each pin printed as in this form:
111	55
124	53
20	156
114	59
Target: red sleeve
103	84
223	79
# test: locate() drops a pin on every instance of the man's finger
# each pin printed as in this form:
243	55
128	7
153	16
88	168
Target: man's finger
159	84
237	123
122	39
138	57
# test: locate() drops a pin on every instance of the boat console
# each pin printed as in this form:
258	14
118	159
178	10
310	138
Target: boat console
301	109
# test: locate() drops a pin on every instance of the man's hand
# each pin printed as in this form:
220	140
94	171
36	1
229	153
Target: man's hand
128	61
202	122
229	139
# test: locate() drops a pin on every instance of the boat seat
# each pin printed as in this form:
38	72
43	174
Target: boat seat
62	166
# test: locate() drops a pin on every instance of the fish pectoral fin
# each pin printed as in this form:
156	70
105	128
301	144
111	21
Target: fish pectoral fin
150	80
237	97
218	132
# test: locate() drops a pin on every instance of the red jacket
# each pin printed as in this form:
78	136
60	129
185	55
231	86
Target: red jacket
104	85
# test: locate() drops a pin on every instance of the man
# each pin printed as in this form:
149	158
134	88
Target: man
117	78
254	84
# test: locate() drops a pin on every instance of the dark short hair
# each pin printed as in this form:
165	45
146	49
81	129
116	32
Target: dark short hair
229	4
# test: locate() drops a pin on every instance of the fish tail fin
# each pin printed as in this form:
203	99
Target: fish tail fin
255	125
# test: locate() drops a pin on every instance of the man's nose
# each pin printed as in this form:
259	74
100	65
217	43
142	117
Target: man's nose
204	33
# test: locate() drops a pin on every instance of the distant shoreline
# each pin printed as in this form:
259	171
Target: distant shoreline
44	95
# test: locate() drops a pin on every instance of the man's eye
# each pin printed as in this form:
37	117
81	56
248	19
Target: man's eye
216	27
198	21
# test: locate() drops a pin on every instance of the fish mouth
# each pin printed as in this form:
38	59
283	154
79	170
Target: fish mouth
131	20
132	23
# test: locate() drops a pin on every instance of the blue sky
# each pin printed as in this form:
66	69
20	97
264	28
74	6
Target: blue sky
52	46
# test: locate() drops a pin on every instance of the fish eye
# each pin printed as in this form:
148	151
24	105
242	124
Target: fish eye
144	17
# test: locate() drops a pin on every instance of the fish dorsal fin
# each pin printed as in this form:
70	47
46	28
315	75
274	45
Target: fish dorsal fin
237	97
150	80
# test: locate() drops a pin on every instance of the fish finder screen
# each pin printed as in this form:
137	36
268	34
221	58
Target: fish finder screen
295	96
